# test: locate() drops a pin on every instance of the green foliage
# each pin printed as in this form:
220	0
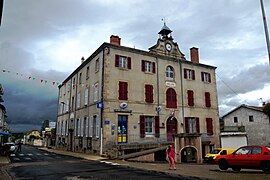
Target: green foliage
53	131
266	109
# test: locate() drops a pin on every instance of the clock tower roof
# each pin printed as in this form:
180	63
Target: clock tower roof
165	30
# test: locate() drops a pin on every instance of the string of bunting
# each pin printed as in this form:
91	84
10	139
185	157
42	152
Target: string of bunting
52	82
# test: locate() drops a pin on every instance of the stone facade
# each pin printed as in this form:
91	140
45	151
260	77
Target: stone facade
122	95
256	123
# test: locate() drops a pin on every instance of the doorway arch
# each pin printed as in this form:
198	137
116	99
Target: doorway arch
171	128
189	154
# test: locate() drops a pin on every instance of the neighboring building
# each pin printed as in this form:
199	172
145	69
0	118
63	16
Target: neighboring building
31	136
252	120
127	99
3	123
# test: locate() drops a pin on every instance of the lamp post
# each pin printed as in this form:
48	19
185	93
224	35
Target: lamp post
265	30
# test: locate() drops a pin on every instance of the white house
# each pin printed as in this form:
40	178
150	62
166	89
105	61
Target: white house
254	121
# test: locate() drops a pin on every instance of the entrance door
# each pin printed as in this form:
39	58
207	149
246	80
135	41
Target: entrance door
171	128
189	155
122	129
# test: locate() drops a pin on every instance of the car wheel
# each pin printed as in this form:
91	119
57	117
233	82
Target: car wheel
236	168
223	165
265	166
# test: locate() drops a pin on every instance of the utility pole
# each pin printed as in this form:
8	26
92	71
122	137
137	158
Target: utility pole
1	10
266	30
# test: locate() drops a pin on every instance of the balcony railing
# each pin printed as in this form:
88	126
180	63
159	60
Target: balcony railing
234	129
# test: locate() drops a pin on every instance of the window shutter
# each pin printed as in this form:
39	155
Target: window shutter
157	132
193	75
148	93
190	98
142	127
143	65
151	94
86	127
207	99
91	126
202	74
186	125
209	126
123	91
209	77
171	101
153	67
117	57
97	126
185	73
82	127
129	62
197	125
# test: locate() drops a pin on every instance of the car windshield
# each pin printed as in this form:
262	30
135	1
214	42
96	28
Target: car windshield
215	151
268	148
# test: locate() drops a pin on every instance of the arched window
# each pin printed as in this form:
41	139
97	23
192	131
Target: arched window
169	73
171	101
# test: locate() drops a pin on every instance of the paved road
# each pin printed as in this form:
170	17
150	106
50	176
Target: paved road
33	163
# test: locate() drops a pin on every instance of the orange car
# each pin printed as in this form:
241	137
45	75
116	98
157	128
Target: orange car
249	157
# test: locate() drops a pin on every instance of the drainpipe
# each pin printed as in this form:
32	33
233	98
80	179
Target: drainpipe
102	99
182	94
157	86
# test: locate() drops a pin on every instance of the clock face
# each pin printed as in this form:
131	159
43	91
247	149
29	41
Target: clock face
168	47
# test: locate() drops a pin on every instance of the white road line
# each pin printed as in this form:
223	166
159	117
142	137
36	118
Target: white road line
38	154
30	154
16	159
12	155
46	154
111	163
27	158
21	154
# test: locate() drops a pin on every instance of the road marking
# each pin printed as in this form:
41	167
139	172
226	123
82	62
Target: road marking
28	158
21	154
16	159
30	154
46	154
38	154
12	155
111	163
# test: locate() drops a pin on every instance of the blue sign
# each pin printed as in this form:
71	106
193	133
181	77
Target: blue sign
107	121
100	105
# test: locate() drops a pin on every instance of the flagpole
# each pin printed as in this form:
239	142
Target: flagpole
266	30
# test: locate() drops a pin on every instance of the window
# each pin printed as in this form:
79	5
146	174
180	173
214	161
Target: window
235	119
192	125
207	99
169	73
149	125
78	100
67	127
96	92
209	126
86	96
189	74
87	72
86	122
256	150
123	91
148	66
78	127
149	93
97	65
82	128
96	126
251	118
244	150
190	95
73	85
206	77
122	62
171	101
91	127
67	105
80	78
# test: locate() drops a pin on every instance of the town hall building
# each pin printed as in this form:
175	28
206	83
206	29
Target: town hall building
123	100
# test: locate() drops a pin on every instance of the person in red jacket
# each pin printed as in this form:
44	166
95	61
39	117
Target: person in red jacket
170	155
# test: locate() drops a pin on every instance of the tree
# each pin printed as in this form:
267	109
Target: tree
266	109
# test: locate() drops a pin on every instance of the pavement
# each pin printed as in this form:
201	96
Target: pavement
199	171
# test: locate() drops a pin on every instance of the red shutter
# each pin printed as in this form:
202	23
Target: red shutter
151	94
202	74
185	73
129	62
209	126
197	125
123	91
157	132
143	65
153	67
142	127
209	77
207	99
117	57
171	101
186	125
147	93
190	98
193	75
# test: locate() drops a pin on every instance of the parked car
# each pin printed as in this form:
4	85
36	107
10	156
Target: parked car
249	157
11	146
210	157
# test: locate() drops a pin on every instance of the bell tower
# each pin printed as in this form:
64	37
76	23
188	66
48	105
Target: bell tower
165	44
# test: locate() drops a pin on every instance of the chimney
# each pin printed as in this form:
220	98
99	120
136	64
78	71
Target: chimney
82	60
115	40
194	54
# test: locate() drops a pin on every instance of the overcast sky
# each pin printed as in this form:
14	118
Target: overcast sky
42	42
